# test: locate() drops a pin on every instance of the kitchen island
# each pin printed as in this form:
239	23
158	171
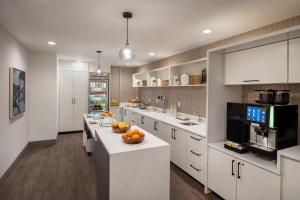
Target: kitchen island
130	172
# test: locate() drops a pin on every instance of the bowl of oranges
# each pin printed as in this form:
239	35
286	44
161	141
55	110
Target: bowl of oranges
106	114
134	136
120	127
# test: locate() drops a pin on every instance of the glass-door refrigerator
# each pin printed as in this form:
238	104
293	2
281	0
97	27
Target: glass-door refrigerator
98	94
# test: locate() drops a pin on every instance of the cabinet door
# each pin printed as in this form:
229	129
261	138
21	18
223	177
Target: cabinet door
66	101
253	66
165	132
221	174
294	61
256	183
290	179
178	148
81	80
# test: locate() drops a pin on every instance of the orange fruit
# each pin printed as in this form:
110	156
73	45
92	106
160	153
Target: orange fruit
141	134
135	136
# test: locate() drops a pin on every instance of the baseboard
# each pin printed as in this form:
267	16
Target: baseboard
12	166
42	143
70	132
29	145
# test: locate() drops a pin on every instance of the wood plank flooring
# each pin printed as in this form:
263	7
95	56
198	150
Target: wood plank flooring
64	172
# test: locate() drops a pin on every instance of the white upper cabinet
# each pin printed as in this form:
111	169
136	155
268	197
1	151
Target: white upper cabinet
294	61
260	65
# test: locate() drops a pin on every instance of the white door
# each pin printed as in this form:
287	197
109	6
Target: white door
81	80
265	64
256	183
66	101
178	148
294	61
221	174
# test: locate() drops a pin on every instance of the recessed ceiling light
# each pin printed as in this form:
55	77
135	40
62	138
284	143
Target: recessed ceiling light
152	54
51	43
206	31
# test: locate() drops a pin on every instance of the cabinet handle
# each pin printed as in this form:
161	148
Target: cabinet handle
142	120
175	134
197	154
198	139
192	166
155	128
249	81
74	101
232	164
239	170
172	133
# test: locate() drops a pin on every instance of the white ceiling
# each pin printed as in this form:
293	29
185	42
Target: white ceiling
165	27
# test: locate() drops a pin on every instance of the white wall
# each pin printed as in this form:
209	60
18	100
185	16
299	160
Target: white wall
13	134
43	115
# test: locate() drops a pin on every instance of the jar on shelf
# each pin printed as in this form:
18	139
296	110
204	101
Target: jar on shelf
184	79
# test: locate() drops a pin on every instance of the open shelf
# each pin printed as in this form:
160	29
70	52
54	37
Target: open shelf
163	77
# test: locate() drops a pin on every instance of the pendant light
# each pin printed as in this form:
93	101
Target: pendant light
126	52
98	70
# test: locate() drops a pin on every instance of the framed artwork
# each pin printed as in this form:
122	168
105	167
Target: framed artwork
16	92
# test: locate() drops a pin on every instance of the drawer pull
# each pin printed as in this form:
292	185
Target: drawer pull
193	152
249	81
198	139
195	168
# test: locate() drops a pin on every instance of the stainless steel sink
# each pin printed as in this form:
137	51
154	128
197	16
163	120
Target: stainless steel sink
189	123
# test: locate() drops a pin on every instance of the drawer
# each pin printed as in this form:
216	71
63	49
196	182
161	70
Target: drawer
196	172
196	142
197	157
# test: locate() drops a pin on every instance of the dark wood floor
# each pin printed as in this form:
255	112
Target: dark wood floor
64	172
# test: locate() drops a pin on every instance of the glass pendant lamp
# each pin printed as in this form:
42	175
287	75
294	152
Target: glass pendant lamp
98	70
127	53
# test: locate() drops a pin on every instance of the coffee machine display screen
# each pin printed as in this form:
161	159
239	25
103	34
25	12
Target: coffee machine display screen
256	114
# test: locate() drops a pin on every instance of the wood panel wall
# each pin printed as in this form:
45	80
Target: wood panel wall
121	83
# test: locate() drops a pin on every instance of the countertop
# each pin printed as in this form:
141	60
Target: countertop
114	144
292	153
255	159
165	118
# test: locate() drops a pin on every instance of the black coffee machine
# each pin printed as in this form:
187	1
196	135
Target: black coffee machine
262	128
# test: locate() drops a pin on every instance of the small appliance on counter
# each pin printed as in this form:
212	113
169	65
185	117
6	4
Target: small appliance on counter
278	97
262	128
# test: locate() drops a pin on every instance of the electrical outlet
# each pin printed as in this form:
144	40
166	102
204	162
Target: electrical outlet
178	104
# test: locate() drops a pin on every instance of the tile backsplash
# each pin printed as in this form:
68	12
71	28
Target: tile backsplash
192	99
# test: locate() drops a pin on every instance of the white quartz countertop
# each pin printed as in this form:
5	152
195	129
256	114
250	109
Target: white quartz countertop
292	153
165	118
255	159
113	141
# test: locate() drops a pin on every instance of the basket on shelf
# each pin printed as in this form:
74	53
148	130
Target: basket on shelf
195	79
144	83
164	82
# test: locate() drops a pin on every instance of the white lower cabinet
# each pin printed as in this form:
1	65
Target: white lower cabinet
178	147
290	179
234	179
188	151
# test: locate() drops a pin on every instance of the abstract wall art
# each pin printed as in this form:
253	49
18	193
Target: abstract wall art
16	92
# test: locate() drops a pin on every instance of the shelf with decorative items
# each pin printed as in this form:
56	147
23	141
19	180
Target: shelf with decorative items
189	74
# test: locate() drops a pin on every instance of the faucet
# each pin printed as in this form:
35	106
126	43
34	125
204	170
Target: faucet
199	116
162	100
